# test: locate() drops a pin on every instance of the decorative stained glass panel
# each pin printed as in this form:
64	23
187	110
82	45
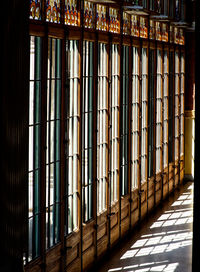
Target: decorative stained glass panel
158	31
181	37
143	27
171	34
151	30
176	35
164	33
126	23
35	9
88	14
101	18
53	11
71	13
114	25
135	29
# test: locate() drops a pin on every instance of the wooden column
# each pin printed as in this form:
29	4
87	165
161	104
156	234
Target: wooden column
196	222
14	99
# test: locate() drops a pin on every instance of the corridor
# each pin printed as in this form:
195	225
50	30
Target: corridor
163	244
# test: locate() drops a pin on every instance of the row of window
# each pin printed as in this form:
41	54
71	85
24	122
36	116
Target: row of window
70	9
140	108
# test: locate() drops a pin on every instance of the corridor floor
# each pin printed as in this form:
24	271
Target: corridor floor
163	243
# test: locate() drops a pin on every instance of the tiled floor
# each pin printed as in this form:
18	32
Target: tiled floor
163	244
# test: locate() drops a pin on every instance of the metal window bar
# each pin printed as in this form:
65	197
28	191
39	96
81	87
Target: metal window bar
72	125
114	109
151	106
144	108
182	92
135	119
159	105
102	127
53	143
87	128
165	109
34	149
176	106
124	124
170	116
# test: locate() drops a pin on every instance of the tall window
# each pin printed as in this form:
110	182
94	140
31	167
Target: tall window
171	8
102	125
182	91
151	4
165	7
124	122
176	106
165	109
144	2
114	127
135	119
72	132
87	129
144	124
151	106
53	142
159	112
171	104
34	148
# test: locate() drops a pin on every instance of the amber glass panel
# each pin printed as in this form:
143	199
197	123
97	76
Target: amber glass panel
88	14
164	33
158	31
151	29
114	25
101	18
35	9
71	13
126	23
53	11
143	27
135	26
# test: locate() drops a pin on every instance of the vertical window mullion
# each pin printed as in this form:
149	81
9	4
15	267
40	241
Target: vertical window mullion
102	128
144	126
124	130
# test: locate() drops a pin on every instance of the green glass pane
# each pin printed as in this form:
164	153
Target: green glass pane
36	191
91	59
57	140
90	201
37	100
57	181
90	134
37	236
58	58
58	98
57	222
38	64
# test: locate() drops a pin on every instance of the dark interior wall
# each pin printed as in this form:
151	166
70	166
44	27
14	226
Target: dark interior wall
190	71
14	134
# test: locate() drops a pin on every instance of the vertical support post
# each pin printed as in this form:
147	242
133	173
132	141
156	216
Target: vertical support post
14	135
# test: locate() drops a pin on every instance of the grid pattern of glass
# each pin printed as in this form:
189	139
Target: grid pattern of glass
144	124
182	91
53	142
135	119
159	107
72	133
176	107
102	127
151	105
124	121
34	148
165	108
87	130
